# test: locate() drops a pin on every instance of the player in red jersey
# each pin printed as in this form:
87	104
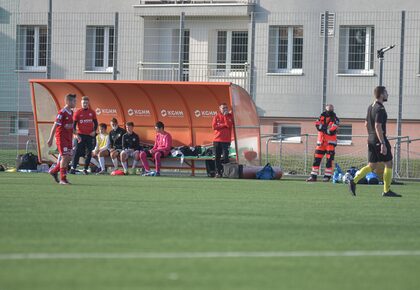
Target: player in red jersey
63	131
85	124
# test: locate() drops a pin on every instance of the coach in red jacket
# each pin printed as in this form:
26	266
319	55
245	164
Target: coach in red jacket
222	125
85	124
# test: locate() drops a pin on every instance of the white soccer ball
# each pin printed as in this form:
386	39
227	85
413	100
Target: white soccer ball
347	177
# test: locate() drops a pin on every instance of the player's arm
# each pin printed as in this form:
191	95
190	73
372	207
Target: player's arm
52	133
379	119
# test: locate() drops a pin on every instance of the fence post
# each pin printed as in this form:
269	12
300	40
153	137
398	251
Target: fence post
408	157
400	93
325	73
115	53
306	154
181	46
49	40
251	76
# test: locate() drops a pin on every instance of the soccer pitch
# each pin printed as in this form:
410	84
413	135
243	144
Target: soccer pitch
131	232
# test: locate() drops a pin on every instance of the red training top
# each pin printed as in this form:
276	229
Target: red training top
64	131
222	126
84	119
163	142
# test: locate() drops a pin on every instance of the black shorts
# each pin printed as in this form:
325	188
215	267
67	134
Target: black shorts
374	152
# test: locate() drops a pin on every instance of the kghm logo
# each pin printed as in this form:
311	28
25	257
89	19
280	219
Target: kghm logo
171	113
204	113
138	112
106	111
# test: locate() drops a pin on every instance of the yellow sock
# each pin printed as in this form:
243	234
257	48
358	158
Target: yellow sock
362	173
387	179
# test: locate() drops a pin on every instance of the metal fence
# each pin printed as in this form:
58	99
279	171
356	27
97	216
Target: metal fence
295	153
286	61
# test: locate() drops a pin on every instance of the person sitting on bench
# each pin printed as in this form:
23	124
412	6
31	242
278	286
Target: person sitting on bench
162	148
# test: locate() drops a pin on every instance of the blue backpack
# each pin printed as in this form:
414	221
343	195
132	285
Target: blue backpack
267	173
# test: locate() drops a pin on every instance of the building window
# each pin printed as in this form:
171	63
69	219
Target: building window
32	49
232	50
289	133
19	126
100	48
285	49
344	135
356	50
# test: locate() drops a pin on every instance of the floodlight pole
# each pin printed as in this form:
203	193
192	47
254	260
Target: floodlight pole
380	55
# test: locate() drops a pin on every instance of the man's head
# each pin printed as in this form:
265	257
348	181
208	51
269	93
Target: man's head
381	94
85	102
102	128
329	108
224	108
160	127
129	126
114	123
70	100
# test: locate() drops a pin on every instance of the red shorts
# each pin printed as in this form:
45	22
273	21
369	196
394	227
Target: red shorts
65	148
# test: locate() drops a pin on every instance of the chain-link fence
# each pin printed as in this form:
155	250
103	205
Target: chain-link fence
285	60
295	153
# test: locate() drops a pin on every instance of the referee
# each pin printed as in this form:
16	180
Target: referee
378	145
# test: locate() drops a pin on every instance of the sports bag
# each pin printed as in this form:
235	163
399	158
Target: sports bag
267	173
27	161
232	170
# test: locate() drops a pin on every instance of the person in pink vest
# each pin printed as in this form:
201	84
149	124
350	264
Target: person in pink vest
162	148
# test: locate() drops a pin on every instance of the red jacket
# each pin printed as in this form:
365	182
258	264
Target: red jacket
222	126
327	126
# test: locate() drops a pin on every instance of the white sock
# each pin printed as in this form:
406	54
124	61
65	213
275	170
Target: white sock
102	163
135	162
124	165
94	162
115	162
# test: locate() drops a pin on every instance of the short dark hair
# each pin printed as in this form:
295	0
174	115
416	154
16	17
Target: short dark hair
114	120
129	124
70	96
378	91
160	125
102	125
85	98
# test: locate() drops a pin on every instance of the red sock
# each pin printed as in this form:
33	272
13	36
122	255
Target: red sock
63	173
56	169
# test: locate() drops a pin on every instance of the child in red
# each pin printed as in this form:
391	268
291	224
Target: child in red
63	131
162	148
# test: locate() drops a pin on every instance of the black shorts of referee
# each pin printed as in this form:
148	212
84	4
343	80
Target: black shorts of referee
374	151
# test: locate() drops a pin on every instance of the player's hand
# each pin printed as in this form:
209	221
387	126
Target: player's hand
49	142
93	134
151	151
78	139
384	150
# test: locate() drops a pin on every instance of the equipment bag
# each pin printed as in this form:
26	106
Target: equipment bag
267	173
27	161
233	170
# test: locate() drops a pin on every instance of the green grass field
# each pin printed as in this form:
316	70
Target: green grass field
184	233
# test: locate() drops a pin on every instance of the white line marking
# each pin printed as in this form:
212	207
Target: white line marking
204	255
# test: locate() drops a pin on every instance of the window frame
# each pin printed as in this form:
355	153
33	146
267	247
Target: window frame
92	67
345	142
14	126
369	50
227	66
23	30
292	139
290	51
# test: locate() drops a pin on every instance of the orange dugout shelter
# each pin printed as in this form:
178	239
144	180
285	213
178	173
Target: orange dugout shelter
186	109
